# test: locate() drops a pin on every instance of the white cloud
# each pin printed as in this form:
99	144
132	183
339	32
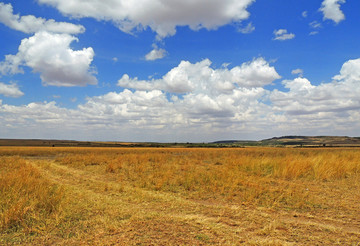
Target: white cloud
315	25
298	84
10	90
161	16
298	71
350	72
188	77
247	29
304	14
31	24
208	109
255	73
331	10
155	54
337	97
137	84
11	65
282	34
51	56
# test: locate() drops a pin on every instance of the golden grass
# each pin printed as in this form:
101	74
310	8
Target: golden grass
175	196
255	175
27	198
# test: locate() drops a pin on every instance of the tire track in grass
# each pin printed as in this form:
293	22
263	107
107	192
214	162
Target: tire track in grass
108	198
107	209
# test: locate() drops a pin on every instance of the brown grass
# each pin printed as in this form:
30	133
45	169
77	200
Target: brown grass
252	196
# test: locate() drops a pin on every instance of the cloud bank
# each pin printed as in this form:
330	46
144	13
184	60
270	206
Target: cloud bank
188	77
194	102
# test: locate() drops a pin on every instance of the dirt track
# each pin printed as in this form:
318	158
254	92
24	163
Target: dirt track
109	212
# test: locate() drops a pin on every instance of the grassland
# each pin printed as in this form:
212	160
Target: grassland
177	196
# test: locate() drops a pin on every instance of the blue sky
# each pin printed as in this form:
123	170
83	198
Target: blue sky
170	71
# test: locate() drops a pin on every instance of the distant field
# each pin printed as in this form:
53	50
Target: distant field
179	196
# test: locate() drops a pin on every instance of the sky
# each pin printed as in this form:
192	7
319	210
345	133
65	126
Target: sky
179	71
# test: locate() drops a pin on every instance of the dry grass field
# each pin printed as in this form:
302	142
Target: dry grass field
174	196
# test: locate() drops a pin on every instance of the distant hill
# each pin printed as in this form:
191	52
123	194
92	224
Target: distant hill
314	141
299	141
234	141
57	143
290	141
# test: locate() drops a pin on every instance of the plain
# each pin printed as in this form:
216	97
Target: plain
179	196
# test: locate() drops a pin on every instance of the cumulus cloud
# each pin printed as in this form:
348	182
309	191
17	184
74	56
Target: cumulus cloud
31	24
350	72
331	10
255	73
201	112
155	54
50	55
48	52
339	96
201	97
282	34
10	90
188	77
161	16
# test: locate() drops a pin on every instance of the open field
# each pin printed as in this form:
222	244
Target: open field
176	196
